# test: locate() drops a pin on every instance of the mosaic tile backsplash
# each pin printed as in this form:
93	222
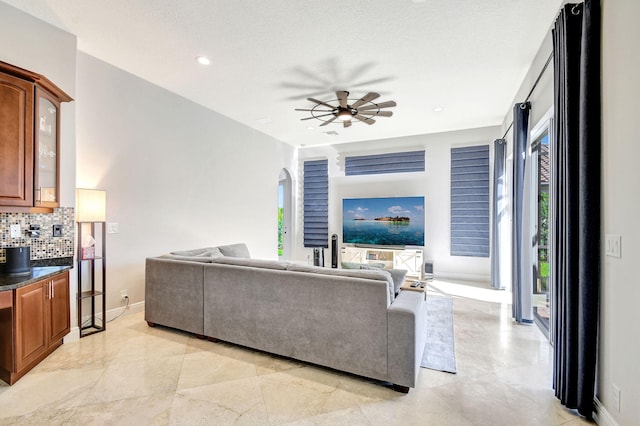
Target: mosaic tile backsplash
46	246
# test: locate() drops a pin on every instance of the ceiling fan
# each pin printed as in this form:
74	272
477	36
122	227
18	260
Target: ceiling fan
362	109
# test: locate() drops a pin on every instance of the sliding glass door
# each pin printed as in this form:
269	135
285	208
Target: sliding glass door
540	241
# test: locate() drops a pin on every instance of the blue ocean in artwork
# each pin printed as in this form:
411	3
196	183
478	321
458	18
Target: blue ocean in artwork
396	221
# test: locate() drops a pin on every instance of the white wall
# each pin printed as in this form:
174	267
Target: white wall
177	175
542	97
620	336
433	184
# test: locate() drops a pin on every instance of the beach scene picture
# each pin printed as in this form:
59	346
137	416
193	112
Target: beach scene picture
394	221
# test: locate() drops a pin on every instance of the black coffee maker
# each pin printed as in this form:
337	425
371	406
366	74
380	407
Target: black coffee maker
17	261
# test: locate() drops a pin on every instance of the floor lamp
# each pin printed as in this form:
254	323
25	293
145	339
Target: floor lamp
91	214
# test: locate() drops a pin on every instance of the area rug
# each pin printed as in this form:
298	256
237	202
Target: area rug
439	349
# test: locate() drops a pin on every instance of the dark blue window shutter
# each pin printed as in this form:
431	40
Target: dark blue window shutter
396	162
316	203
470	201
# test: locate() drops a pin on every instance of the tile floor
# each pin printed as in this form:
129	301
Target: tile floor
133	374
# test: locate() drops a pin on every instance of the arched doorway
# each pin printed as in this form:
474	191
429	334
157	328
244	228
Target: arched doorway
285	214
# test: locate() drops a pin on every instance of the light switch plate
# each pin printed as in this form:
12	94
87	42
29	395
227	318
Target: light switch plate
113	228
613	245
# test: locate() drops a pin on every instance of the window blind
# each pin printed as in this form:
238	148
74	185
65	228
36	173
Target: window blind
470	201
316	203
396	162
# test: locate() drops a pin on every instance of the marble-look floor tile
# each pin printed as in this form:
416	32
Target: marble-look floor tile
125	380
206	368
237	402
347	417
48	391
152	410
306	392
133	374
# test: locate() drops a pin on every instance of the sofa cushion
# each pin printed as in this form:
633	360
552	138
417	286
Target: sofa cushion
235	250
254	263
356	265
201	259
372	274
397	275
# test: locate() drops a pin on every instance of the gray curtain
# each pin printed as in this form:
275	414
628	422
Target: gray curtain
521	292
576	237
499	152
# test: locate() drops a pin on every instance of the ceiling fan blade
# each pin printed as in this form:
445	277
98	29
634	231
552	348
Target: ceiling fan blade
315	110
328	121
346	123
366	98
316	116
378	113
387	104
342	97
320	102
365	119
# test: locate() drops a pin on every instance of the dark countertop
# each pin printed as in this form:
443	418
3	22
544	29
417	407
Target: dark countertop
10	282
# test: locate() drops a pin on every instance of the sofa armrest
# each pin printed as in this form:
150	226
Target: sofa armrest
406	322
174	294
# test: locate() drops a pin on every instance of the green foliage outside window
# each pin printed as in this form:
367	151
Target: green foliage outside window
280	231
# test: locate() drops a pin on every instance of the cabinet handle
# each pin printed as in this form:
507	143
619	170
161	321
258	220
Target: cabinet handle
53	289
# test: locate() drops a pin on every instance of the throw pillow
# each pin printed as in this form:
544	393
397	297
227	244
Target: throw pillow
235	250
373	273
211	252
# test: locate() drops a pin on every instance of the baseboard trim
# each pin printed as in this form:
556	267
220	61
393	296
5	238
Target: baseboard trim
456	276
133	308
602	416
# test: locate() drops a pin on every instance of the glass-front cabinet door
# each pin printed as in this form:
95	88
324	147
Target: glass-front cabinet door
47	163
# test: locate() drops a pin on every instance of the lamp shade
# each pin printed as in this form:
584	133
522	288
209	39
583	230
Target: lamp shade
91	205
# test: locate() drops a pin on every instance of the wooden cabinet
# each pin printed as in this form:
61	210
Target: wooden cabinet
30	324
29	140
59	319
16	141
39	322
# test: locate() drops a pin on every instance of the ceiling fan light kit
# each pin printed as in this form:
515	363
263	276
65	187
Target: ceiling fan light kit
362	109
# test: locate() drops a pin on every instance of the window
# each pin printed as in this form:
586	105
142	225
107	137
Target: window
396	162
470	201
316	203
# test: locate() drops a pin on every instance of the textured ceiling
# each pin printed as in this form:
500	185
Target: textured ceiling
466	56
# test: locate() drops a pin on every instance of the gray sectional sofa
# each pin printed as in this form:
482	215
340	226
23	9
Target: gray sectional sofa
349	320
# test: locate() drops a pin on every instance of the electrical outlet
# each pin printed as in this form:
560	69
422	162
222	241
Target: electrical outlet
15	231
57	230
123	294
615	397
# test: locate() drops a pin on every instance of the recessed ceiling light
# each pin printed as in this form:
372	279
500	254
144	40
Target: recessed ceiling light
438	109
310	128
203	60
